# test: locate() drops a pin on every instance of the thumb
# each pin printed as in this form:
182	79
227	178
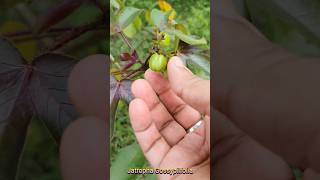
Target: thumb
192	89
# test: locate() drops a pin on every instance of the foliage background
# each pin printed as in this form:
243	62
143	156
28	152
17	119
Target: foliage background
195	15
40	158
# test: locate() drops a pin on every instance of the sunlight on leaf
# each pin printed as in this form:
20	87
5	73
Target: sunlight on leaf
130	30
137	22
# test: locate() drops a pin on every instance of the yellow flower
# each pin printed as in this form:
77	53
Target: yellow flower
164	6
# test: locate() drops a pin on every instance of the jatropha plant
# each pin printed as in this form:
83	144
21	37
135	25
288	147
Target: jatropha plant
148	38
144	39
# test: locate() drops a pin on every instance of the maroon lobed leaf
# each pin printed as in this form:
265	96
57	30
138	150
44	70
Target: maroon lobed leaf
15	108
118	90
28	90
49	91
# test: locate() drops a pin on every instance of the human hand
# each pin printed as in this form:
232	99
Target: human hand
161	114
268	93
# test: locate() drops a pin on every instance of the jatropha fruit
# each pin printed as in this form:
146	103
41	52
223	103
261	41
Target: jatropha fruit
158	62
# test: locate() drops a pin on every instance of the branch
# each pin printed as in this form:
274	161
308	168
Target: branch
125	39
73	34
133	72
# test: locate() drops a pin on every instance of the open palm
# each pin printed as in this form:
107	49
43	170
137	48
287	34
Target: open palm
160	119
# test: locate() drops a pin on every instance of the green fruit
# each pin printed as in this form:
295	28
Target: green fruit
165	41
158	62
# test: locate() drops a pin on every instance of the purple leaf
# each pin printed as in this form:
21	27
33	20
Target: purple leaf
49	91
132	60
125	56
15	108
27	90
118	90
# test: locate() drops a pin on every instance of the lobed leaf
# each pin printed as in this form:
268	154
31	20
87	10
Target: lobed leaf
118	90
49	92
16	110
28	90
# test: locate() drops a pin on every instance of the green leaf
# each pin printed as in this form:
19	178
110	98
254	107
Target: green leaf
130	30
199	64
293	24
137	22
128	157
298	174
115	4
159	18
188	38
127	16
150	177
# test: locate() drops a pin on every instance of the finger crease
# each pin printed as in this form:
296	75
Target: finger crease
166	124
164	91
178	109
152	144
144	129
155	105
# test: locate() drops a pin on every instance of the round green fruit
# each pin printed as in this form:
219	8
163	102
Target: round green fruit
165	41
158	62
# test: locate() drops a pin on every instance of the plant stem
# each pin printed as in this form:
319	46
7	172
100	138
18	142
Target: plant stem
125	39
132	72
73	34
